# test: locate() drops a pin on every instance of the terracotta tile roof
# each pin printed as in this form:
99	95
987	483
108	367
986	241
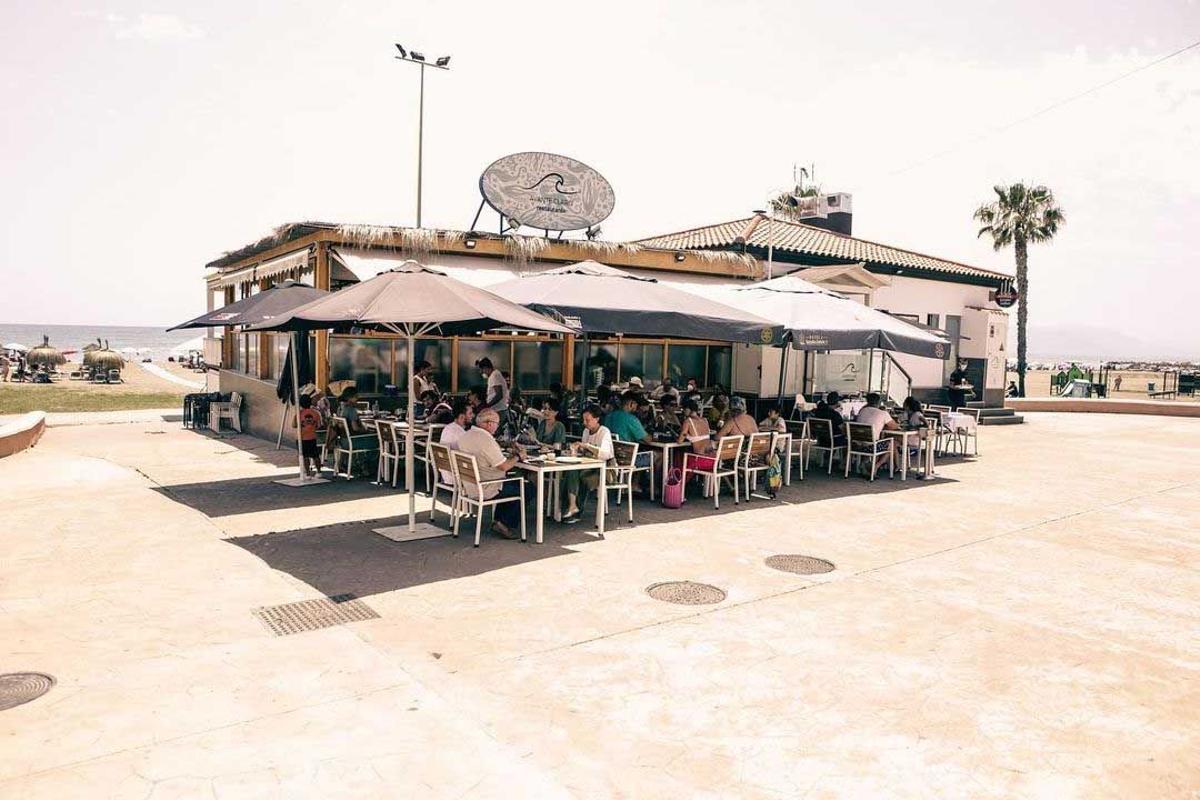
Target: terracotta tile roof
796	237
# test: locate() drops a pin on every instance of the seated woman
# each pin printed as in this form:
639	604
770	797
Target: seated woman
914	417
348	410
739	423
668	417
717	414
696	431
549	431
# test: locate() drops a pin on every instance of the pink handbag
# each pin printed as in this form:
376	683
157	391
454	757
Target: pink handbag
672	493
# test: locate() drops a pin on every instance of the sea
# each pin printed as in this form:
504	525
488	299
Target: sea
156	342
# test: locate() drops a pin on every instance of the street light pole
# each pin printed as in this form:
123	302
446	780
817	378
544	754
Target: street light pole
443	62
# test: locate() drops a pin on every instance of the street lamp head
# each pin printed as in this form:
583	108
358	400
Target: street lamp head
444	61
415	56
403	52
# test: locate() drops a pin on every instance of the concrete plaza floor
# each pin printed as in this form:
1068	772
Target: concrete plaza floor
1026	625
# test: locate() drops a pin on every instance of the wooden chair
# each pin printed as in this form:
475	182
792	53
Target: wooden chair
820	433
360	444
471	489
724	465
861	443
649	468
755	458
443	471
625	456
389	452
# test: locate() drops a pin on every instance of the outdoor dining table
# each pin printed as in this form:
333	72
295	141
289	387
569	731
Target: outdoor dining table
540	467
926	446
665	450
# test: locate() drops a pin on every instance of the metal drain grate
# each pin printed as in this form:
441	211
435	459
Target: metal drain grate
800	565
686	593
17	688
312	615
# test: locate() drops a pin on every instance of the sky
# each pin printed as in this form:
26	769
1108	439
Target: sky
141	141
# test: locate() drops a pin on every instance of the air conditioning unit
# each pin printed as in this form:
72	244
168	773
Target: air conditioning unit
821	206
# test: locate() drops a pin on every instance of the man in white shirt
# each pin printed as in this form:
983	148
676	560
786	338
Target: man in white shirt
480	441
667	387
596	442
497	387
463	413
873	414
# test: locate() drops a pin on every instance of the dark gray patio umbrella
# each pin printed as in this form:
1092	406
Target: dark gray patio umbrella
412	300
256	308
607	300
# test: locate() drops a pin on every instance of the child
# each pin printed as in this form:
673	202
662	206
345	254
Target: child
310	421
774	422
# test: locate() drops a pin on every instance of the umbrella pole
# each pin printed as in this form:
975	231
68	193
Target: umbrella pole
296	401
783	364
408	440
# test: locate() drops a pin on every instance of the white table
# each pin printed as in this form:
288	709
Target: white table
665	449
959	422
924	444
540	468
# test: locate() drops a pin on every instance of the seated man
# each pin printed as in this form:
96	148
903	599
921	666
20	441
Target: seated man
665	389
828	409
668	416
873	414
624	424
454	430
480	441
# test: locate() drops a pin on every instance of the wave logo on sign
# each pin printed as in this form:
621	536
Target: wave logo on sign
548	191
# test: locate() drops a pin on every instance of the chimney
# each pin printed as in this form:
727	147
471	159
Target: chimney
832	211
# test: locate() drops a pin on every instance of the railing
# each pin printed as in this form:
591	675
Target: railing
888	377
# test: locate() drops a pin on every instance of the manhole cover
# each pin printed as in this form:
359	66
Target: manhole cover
686	593
801	565
21	687
312	615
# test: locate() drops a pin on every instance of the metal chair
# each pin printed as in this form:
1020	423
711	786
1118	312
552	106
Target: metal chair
229	411
389	452
343	443
861	443
723	465
625	456
821	434
471	489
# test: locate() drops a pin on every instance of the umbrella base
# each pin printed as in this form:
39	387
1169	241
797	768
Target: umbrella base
305	481
401	533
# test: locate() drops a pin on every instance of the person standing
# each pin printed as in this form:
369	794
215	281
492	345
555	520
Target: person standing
423	379
309	420
480	441
497	387
960	385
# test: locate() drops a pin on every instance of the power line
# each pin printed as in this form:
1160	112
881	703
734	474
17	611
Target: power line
1052	107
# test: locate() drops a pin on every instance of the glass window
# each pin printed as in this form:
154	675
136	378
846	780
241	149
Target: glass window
435	351
471	350
844	372
367	362
602	363
644	361
686	361
278	354
953	329
932	320
720	366
537	365
251	354
235	354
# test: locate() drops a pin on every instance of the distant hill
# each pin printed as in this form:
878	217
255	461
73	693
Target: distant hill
1082	342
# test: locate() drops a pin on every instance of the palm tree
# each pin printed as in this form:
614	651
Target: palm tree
1020	214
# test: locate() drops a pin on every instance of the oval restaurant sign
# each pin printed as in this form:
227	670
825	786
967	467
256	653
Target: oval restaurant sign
544	190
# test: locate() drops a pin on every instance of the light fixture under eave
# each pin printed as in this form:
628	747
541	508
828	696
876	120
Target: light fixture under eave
679	256
469	243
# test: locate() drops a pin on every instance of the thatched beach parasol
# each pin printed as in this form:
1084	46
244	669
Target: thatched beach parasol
98	357
45	354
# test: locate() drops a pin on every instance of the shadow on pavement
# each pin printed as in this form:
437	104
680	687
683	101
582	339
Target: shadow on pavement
350	558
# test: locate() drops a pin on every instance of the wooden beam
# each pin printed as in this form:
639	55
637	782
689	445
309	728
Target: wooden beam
321	281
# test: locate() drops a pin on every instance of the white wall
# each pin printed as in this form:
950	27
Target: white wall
921	298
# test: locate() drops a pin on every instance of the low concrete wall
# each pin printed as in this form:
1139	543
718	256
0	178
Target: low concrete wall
261	409
1162	408
22	433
